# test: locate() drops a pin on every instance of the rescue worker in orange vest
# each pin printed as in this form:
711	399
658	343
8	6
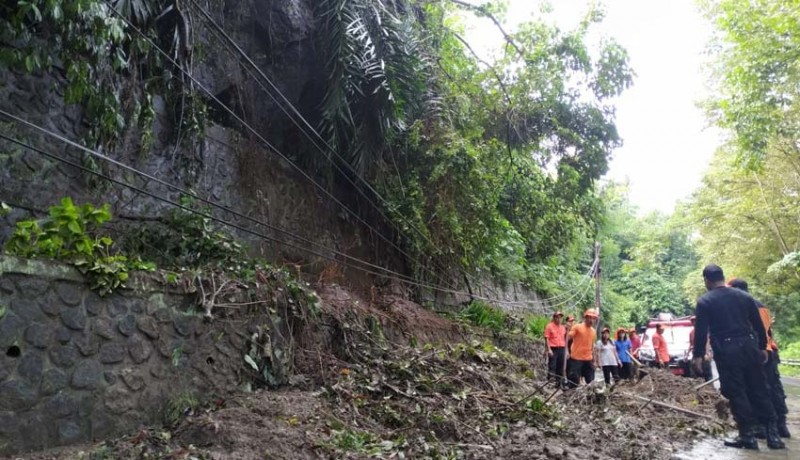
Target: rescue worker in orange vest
581	356
774	385
660	347
555	337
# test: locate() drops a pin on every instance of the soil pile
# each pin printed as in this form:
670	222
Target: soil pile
366	396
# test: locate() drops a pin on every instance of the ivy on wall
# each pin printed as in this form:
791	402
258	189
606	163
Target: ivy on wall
110	71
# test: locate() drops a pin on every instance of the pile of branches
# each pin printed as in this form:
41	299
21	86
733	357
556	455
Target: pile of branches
438	401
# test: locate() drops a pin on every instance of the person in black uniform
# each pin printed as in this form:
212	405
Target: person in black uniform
739	341
774	384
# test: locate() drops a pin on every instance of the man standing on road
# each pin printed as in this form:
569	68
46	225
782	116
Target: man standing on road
738	340
581	358
660	347
774	384
707	374
555	336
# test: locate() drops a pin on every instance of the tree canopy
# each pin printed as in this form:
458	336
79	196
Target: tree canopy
746	212
488	167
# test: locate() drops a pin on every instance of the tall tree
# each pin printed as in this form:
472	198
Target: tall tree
749	222
645	260
757	73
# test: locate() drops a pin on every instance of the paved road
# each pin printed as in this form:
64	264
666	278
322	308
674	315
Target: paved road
712	449
790	381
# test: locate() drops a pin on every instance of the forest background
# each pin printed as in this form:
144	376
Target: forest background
493	169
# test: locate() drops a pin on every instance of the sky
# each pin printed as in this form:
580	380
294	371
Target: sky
667	144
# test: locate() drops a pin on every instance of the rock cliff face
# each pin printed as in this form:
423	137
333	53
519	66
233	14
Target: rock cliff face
228	165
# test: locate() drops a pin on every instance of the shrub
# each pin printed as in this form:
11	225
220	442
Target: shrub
71	233
535	324
484	315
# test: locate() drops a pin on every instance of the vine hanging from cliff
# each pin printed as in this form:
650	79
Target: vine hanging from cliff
110	72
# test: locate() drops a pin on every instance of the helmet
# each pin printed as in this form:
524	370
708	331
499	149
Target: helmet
591	313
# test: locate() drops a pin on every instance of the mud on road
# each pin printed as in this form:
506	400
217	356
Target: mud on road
369	394
485	408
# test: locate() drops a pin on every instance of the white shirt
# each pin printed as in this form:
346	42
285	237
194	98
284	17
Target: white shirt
607	353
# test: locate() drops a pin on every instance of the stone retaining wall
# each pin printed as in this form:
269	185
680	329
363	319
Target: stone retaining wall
77	367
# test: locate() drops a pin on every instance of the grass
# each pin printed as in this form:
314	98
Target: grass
789	371
481	314
534	326
787	352
177	407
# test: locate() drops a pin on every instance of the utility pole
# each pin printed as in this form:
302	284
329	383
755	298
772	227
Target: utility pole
597	282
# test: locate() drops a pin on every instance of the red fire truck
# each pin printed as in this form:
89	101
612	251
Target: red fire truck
676	334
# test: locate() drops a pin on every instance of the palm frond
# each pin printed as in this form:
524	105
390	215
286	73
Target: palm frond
376	76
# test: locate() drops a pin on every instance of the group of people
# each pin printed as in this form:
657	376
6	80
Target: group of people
616	358
729	324
739	330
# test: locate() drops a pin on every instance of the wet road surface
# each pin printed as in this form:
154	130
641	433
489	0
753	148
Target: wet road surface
712	449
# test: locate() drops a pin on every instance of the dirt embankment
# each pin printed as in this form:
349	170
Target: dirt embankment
382	377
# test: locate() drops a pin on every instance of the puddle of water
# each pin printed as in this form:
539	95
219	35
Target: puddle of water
712	449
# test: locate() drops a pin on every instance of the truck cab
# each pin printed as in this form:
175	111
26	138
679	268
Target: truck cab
676	334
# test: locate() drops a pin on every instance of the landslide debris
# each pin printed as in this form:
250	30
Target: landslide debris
368	397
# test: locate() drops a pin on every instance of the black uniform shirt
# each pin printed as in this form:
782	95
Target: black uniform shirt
727	312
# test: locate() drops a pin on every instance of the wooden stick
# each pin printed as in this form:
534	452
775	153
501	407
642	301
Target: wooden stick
634	359
670	406
647	403
551	395
706	383
535	392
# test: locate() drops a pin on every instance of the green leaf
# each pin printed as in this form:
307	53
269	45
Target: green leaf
74	227
29	63
250	361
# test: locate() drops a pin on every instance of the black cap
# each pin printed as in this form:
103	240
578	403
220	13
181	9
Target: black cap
713	272
738	283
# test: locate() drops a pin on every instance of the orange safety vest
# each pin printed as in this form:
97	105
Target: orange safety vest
767	320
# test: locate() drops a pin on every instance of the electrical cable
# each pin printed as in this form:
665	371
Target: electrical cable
153	195
236	226
398	276
232	45
568	293
192	194
265	141
244	55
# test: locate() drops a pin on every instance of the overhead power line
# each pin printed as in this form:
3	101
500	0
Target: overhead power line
384	272
294	115
267	144
191	194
